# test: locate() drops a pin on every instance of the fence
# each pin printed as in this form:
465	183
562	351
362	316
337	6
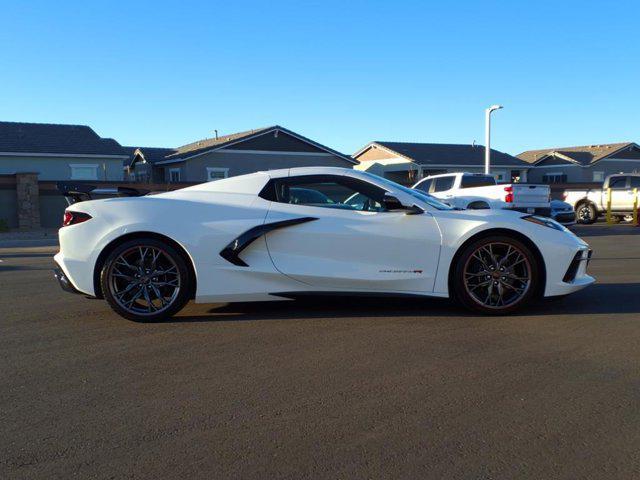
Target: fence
27	203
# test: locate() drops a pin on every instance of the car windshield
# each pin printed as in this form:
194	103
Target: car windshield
425	197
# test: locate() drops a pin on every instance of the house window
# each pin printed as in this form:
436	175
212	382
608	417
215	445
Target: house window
84	171
516	176
598	176
214	173
499	176
554	177
174	175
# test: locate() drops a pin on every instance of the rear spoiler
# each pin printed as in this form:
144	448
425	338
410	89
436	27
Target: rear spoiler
80	192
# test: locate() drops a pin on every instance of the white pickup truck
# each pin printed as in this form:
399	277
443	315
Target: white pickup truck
477	190
592	203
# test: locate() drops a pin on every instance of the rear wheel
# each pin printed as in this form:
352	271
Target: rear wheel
586	213
496	275
145	280
478	206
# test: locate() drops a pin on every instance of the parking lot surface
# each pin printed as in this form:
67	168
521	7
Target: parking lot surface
331	388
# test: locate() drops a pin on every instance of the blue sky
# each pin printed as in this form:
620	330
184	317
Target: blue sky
343	73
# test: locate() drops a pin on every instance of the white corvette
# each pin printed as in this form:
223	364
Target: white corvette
280	234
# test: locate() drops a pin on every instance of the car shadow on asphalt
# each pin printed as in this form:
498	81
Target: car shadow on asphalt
600	230
598	299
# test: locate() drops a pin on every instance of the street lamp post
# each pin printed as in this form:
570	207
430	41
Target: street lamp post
487	136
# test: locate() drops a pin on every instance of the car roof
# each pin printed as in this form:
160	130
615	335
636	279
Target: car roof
300	171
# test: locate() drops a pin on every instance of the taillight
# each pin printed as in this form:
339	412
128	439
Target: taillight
73	218
508	198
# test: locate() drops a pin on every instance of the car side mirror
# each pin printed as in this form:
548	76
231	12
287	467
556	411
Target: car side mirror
392	204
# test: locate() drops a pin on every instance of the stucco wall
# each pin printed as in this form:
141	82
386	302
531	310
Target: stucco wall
574	174
375	153
240	163
577	174
58	168
617	165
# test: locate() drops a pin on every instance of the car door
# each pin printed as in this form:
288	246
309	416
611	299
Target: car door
343	244
621	199
424	185
442	186
634	186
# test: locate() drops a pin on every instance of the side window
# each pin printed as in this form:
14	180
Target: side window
469	181
424	186
443	183
618	183
328	191
635	182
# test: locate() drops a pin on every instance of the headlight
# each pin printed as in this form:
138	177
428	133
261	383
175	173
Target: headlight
546	222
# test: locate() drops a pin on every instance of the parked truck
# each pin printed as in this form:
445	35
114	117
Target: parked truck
477	190
590	204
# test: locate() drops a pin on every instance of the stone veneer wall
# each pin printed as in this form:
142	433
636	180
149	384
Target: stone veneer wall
28	204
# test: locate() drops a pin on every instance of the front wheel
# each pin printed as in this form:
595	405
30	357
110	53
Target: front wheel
145	280
495	275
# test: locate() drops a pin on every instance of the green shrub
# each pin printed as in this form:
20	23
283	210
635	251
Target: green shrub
4	226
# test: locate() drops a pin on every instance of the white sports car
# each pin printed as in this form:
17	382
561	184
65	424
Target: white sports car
281	234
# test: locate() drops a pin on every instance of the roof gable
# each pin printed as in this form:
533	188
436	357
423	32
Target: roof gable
48	138
251	140
555	159
444	154
583	155
148	154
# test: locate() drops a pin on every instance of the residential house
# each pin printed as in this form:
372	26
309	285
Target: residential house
407	162
589	163
59	152
139	167
236	154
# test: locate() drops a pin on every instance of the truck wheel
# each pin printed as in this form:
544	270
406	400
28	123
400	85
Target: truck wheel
586	213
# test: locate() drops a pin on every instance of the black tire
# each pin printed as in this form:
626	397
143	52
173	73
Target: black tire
501	245
586	213
170	278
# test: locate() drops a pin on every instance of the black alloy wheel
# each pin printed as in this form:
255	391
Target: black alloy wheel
145	280
496	275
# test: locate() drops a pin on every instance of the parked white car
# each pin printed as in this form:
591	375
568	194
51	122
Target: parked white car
562	212
590	204
478	191
281	234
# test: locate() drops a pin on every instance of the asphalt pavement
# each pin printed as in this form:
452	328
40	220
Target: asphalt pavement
330	388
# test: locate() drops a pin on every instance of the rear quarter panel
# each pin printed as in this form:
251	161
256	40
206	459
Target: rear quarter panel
202	223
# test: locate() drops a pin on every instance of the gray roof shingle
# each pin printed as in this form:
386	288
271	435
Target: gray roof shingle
584	155
448	154
201	146
22	137
209	143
